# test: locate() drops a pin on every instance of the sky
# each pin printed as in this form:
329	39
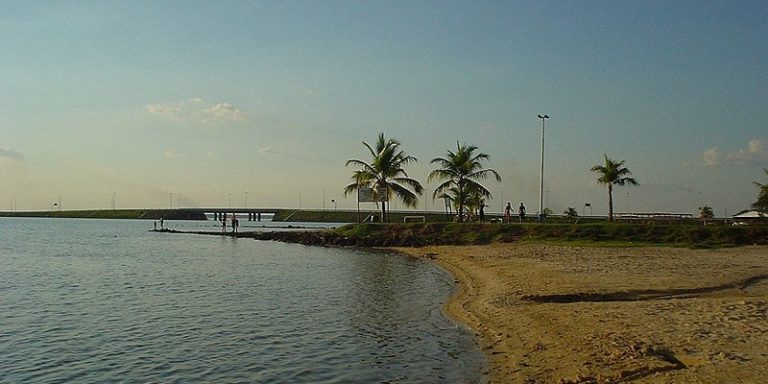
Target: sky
148	104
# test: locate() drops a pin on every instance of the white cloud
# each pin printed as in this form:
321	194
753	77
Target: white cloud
196	110
268	151
713	156
9	153
754	153
171	154
170	111
222	111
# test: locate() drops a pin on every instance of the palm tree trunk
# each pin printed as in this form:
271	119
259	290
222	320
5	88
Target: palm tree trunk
610	202
383	211
461	201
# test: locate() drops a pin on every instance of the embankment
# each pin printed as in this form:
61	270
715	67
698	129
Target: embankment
425	234
135	214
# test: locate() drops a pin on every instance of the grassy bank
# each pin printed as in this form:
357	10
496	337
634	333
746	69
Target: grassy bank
602	234
421	234
148	214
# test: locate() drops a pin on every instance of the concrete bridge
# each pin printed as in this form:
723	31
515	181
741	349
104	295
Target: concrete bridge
254	214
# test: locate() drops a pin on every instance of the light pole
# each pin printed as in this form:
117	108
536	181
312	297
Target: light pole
229	199
541	179
245	200
171	195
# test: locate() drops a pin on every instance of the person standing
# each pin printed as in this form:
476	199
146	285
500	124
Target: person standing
482	212
521	211
508	213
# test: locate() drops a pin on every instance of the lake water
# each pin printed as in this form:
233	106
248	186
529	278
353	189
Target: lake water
96	301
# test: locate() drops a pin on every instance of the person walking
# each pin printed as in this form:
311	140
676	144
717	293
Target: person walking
482	212
521	212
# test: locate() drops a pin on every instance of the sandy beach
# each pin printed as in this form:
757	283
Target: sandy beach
561	314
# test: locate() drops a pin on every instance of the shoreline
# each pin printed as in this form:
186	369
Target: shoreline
566	314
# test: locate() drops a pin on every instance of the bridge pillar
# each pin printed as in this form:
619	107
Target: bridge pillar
215	216
259	216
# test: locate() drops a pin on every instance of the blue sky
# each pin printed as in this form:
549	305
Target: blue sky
208	100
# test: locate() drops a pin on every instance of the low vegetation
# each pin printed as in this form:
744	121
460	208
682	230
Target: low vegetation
626	234
149	214
599	234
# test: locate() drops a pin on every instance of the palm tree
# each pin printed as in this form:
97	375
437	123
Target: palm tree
385	174
706	213
613	173
761	204
461	172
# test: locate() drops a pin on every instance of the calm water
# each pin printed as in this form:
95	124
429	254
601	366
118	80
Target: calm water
92	301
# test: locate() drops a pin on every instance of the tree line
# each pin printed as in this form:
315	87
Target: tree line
459	172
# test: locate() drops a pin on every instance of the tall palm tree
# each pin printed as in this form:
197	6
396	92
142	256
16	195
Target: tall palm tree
461	172
385	174
762	197
613	173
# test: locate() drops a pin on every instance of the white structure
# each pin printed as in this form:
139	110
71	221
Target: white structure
751	216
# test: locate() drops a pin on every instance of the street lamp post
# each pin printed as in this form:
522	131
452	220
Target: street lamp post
541	179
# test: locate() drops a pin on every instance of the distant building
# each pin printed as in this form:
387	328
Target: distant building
750	217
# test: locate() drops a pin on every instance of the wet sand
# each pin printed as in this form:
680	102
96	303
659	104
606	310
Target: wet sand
559	314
